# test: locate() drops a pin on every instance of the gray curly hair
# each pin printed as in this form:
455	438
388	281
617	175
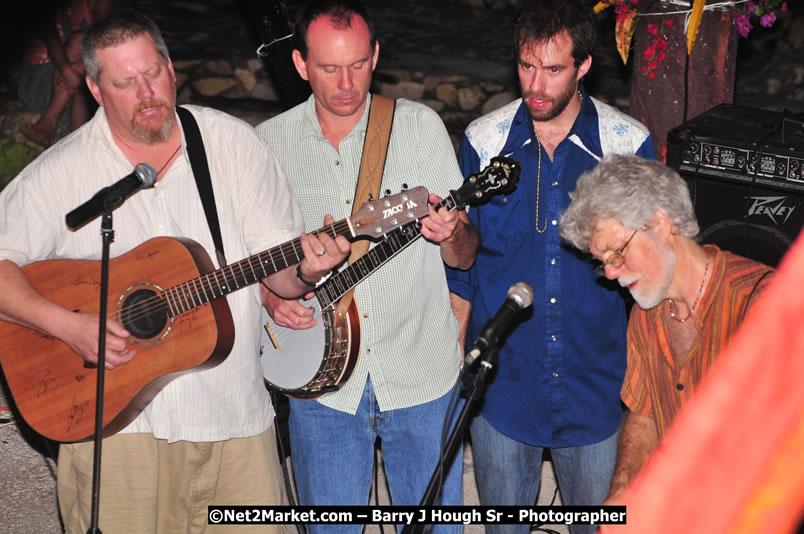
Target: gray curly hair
631	190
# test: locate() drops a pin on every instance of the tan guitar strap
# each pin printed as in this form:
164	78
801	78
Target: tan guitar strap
372	165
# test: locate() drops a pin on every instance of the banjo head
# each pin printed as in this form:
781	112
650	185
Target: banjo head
291	358
306	364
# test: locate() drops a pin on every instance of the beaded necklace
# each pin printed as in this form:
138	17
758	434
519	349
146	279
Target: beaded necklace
672	310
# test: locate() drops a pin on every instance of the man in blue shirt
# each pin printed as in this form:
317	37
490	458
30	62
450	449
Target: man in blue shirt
560	370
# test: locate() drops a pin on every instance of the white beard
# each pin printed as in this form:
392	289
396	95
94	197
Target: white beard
647	295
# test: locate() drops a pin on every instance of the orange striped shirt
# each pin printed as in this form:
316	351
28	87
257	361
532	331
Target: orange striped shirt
655	385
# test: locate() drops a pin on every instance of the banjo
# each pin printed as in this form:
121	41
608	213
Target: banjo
308	363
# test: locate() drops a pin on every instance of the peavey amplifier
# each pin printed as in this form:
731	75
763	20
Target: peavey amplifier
746	183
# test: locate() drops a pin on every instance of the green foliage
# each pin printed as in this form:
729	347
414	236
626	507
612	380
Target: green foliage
13	158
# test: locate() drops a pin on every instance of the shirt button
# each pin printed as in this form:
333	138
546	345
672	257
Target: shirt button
365	315
553	300
555	184
505	200
348	200
368	351
552	261
553	338
555	375
680	387
337	162
554	222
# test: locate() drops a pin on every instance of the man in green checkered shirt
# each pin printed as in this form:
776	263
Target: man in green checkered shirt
410	355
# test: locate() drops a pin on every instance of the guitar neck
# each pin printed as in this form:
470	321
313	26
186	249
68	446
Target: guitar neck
216	284
340	283
394	243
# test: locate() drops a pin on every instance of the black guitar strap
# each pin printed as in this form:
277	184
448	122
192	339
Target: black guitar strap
200	167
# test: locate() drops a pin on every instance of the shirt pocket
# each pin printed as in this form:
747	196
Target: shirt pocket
502	223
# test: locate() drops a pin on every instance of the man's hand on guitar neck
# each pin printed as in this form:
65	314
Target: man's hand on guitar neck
322	253
452	230
289	313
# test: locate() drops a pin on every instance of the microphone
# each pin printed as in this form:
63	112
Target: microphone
520	296
111	197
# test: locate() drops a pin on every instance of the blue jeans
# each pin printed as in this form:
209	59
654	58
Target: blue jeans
333	455
509	473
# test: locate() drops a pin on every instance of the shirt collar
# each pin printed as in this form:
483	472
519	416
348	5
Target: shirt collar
586	121
584	126
717	266
312	128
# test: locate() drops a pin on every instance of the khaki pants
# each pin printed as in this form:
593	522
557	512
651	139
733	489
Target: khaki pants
151	487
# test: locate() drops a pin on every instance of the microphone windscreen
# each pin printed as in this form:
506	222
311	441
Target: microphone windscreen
521	293
147	174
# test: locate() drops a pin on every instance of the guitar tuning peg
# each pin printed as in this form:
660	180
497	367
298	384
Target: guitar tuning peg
388	192
404	187
371	197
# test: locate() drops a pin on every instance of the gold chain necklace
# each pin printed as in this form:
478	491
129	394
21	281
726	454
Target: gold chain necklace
539	177
538	186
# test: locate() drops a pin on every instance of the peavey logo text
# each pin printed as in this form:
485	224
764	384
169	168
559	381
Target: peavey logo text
393	210
773	207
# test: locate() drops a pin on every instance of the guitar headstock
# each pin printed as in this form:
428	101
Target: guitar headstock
501	176
378	217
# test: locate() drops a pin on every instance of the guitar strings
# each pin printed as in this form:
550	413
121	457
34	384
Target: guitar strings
183	294
189	295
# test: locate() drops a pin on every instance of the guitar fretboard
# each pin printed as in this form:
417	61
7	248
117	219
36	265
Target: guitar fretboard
396	241
340	283
207	287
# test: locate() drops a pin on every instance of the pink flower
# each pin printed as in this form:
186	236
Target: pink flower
635	2
661	55
750	6
784	7
644	70
743	23
652	75
653	65
668	23
652	29
766	21
662	44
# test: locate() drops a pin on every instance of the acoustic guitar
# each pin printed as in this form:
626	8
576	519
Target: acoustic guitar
168	296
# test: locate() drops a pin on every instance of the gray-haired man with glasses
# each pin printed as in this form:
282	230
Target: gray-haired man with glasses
691	298
615	260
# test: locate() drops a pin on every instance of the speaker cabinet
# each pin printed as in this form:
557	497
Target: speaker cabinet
746	179
760	223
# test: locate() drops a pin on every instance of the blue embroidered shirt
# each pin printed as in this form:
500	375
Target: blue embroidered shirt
560	370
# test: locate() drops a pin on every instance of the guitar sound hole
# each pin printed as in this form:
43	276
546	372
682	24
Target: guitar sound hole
144	314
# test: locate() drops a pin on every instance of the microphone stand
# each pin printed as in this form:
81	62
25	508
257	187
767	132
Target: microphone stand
107	236
476	381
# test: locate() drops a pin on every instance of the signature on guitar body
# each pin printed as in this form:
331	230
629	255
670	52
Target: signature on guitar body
167	294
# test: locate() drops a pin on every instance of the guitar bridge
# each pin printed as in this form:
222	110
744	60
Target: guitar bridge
272	336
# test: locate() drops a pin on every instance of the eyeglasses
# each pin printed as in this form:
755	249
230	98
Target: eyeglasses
616	260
